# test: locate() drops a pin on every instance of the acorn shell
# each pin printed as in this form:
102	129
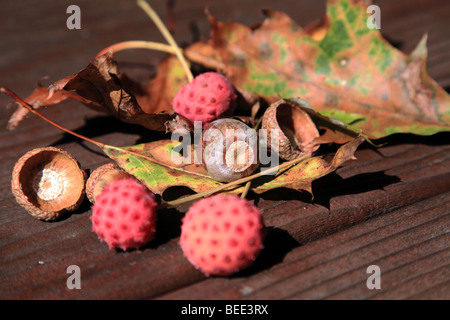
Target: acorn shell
297	132
101	177
48	182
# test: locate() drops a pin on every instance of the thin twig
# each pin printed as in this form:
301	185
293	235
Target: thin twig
31	109
239	181
246	190
162	28
204	60
99	144
138	44
168	203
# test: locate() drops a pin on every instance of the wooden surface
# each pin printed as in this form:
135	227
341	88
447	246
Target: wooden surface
389	208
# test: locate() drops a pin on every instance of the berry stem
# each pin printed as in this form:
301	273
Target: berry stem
190	54
162	28
235	183
138	44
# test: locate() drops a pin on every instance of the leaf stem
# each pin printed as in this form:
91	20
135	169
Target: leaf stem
239	181
168	203
162	28
31	109
103	146
151	159
249	183
246	189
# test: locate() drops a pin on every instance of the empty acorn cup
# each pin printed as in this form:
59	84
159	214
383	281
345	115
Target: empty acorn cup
295	130
48	182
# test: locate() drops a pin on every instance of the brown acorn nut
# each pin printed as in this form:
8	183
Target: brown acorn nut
229	150
296	130
101	177
48	182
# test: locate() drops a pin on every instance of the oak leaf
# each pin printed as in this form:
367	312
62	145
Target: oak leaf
153	164
344	69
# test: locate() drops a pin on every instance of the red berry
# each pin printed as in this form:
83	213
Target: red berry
124	214
208	97
222	235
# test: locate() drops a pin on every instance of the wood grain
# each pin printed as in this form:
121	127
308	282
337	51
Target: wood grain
390	207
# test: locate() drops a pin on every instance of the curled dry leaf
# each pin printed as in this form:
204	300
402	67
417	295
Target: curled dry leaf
179	124
303	174
41	96
99	86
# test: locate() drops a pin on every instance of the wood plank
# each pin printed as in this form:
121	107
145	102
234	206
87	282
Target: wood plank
389	207
335	266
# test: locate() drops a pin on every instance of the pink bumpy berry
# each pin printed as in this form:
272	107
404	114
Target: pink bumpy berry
222	235
208	97
124	214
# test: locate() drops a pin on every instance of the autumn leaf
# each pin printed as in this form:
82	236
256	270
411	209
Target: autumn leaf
152	163
342	68
303	174
40	96
98	86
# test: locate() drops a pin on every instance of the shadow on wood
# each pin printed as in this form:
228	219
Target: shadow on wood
103	125
332	185
277	244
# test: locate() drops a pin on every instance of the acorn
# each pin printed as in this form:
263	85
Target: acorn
101	177
48	182
229	150
294	127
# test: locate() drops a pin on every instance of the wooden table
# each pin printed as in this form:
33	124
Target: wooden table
388	208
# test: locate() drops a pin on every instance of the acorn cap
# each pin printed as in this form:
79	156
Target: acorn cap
47	182
101	177
296	131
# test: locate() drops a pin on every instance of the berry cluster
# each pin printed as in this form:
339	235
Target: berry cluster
221	234
124	214
208	97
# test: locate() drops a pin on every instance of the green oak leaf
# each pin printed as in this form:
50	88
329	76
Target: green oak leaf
342	68
151	163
